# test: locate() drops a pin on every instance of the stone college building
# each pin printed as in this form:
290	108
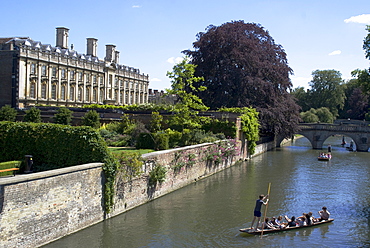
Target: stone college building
32	73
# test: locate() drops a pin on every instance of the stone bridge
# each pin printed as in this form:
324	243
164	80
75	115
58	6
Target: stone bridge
317	133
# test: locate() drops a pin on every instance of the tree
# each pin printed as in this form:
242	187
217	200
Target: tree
188	106
366	45
243	67
63	116
326	90
91	119
156	122
7	113
32	115
317	115
302	98
358	104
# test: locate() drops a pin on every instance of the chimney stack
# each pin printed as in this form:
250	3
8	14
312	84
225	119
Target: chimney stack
116	57
92	45
110	51
62	37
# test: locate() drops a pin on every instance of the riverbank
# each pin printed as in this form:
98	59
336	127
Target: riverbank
39	208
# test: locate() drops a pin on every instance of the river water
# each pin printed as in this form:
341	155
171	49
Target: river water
210	212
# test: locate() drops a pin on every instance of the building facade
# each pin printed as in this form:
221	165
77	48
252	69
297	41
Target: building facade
32	73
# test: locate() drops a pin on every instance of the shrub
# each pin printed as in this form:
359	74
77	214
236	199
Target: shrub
130	164
145	141
63	116
51	145
156	122
174	138
32	115
7	113
157	175
161	141
91	119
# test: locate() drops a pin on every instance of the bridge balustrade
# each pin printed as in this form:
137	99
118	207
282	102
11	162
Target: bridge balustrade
334	127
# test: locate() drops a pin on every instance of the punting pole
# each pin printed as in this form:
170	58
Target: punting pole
264	217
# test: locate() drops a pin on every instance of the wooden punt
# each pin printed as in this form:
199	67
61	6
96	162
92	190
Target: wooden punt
267	231
324	157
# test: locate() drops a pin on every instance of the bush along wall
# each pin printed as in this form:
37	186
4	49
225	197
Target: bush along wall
55	146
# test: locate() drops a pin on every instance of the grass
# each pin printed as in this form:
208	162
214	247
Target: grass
129	150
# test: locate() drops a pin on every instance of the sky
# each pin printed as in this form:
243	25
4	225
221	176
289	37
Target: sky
151	34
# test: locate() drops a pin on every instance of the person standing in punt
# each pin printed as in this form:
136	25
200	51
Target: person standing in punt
257	209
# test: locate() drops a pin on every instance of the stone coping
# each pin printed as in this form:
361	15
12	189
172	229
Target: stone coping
44	174
153	154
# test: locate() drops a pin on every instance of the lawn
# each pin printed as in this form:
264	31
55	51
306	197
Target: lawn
129	150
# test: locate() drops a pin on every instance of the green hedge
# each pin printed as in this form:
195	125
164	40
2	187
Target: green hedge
51	145
8	165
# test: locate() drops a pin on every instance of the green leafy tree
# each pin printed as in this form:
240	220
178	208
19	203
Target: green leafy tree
318	115
156	122
91	119
188	106
250	125
302	98
366	45
326	90
242	66
325	115
7	113
309	116
63	116
32	115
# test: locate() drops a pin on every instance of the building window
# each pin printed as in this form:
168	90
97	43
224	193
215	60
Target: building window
127	86
95	97
63	92
72	93
126	98
54	72
54	92
101	96
43	70
33	68
121	96
101	81
43	90
33	90
80	76
87	97
110	93
110	80
94	79
80	94
72	75
63	73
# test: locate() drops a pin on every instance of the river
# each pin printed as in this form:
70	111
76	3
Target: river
210	212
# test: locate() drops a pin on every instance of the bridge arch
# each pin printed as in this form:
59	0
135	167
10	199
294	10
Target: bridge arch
318	133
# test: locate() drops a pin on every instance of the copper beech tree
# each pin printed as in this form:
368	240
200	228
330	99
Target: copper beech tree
243	67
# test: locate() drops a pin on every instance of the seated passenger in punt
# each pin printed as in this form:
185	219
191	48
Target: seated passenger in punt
291	222
276	222
301	220
267	224
324	214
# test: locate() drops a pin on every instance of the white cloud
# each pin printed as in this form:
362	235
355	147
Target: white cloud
174	60
136	6
300	81
155	80
363	19
336	52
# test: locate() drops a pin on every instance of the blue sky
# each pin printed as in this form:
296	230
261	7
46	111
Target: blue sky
150	34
